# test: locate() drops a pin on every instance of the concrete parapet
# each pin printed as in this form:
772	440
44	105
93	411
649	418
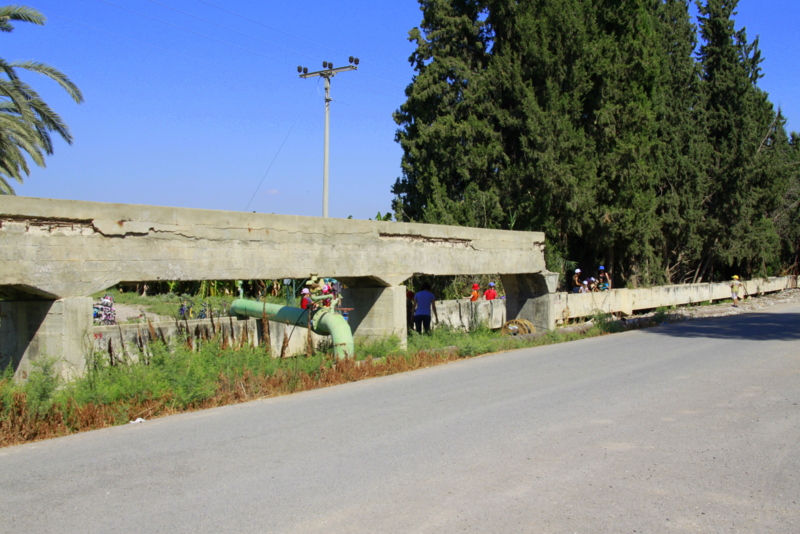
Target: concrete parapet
466	315
627	301
131	339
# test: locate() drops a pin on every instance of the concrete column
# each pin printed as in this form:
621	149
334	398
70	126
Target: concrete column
377	311
528	297
55	329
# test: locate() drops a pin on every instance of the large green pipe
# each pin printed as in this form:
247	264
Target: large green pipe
323	322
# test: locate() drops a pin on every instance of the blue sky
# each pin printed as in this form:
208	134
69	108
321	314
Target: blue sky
197	103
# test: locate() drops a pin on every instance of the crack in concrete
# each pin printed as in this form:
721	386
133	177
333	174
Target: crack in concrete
436	241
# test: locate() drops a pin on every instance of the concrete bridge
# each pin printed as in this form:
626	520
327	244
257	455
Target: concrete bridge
55	253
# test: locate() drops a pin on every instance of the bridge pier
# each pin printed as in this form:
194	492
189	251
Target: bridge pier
378	311
527	297
45	328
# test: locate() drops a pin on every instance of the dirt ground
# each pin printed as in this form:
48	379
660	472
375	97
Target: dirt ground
125	314
747	305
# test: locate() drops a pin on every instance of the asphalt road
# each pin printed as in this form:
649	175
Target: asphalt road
689	427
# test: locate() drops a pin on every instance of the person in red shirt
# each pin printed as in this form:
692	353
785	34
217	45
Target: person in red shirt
490	294
306	303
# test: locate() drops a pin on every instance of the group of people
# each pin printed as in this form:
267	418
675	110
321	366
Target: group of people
419	305
591	284
489	294
307	303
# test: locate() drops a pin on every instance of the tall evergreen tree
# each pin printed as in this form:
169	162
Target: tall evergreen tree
450	147
594	121
624	129
737	232
682	179
539	72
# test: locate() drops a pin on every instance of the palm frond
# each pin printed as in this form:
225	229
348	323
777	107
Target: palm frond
20	14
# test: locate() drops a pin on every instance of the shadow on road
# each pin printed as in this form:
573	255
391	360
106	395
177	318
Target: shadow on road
754	326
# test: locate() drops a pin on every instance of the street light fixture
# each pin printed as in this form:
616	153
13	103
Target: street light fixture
327	72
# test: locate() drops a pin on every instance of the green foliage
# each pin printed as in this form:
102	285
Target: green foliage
595	122
454	287
605	323
177	375
661	315
41	386
379	348
383	217
26	121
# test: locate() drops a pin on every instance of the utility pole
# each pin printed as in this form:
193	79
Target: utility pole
327	72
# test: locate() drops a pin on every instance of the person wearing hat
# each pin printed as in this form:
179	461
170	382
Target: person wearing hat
475	292
306	303
736	288
576	281
603	280
490	294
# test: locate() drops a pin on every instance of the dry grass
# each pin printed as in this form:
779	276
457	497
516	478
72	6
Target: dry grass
21	424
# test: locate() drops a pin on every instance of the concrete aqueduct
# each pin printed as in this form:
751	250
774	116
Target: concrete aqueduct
55	253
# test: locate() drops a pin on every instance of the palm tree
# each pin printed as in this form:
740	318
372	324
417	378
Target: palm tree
26	121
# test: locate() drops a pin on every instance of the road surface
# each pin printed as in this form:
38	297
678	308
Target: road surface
688	427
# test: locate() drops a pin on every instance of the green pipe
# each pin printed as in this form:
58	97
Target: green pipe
323	322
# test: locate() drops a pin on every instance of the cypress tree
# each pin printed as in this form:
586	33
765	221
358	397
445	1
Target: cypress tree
594	121
450	149
737	233
539	72
682	182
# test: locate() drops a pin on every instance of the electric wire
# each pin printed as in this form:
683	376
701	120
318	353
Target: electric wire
180	54
373	89
195	32
282	31
265	41
279	150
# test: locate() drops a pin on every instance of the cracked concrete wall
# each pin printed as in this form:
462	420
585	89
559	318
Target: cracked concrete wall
132	339
626	301
465	315
59	248
55	329
54	249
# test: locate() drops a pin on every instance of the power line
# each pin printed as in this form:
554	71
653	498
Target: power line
231	29
373	89
278	152
180	54
283	32
196	33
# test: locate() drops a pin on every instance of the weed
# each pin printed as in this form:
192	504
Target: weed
661	315
605	323
41	385
377	348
